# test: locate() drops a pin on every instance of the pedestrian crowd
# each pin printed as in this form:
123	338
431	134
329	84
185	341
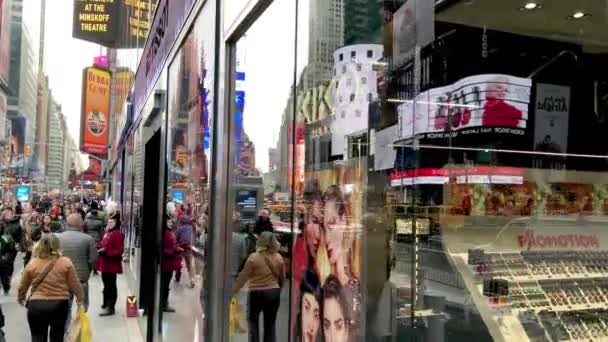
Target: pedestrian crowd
62	244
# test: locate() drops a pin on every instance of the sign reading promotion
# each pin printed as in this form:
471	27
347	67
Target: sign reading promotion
95	109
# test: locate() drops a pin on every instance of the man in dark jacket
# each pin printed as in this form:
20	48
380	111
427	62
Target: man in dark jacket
8	252
81	249
12	226
93	223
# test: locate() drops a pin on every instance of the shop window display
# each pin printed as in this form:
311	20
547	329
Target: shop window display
189	149
429	184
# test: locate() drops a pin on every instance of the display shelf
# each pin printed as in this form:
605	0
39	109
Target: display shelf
529	312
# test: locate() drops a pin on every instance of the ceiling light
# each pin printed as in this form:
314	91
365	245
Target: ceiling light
578	14
530	5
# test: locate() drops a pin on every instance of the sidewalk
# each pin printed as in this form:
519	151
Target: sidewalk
114	328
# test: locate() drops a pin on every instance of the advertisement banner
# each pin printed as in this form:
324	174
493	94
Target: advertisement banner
488	104
95	109
413	25
552	112
384	152
123	80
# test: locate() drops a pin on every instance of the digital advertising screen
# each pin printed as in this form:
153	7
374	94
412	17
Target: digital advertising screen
178	196
23	193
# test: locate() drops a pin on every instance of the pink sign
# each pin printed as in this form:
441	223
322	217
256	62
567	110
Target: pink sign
101	61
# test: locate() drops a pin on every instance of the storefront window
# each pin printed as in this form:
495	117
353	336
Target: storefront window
438	168
188	155
261	187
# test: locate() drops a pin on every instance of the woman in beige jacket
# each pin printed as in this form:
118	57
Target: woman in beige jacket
264	271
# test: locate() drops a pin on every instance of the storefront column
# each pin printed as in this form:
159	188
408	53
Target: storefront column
217	297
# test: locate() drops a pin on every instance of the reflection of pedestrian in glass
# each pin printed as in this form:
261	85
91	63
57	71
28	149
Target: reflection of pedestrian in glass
185	236
309	314
265	273
171	262
336	312
263	223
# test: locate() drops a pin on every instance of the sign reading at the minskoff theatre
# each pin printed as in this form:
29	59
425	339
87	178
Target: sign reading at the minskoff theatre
112	23
95	20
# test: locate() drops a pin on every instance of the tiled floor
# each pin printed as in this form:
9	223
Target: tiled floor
115	328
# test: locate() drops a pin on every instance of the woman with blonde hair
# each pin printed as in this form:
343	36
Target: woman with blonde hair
51	278
264	270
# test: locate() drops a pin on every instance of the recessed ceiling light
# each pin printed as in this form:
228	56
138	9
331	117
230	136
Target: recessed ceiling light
530	5
578	15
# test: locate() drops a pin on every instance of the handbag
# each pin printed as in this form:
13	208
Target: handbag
36	283
269	264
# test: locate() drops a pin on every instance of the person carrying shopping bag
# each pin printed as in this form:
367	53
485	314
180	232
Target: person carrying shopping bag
264	270
51	278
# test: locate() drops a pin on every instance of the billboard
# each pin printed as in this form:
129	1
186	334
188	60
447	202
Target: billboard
488	103
95	21
115	23
4	40
22	193
551	118
95	112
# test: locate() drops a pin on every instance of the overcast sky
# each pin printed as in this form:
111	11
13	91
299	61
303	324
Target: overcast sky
65	59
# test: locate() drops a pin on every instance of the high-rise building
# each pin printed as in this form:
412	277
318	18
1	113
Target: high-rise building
55	147
326	34
363	21
5	38
23	81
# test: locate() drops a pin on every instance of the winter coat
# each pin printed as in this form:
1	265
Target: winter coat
14	229
80	249
185	231
94	226
8	251
171	257
263	226
110	259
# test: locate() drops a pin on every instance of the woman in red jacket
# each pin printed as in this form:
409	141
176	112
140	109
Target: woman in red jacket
171	262
109	263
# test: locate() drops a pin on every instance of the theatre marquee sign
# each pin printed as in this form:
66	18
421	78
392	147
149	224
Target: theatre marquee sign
95	20
112	23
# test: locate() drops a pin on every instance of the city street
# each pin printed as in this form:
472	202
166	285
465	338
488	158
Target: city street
115	328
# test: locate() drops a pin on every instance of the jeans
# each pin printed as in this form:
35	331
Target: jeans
85	289
165	282
110	291
266	301
45	314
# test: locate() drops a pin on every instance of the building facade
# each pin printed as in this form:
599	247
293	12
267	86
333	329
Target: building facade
430	186
23	84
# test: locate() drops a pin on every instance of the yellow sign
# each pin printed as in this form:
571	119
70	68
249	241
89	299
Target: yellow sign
27	150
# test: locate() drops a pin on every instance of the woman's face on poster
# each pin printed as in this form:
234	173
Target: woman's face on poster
335	327
310	318
312	235
334	231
